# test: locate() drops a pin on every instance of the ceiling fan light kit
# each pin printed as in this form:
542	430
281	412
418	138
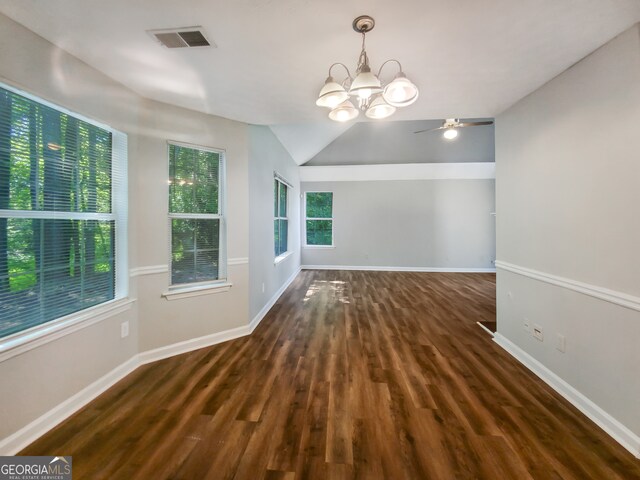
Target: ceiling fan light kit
450	133
452	125
376	100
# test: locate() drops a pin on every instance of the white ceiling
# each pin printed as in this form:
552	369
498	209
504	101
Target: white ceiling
470	58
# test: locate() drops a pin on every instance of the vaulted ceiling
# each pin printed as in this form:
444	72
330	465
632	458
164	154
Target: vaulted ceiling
375	143
469	58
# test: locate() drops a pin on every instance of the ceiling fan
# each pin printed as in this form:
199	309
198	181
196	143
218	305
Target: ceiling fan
450	126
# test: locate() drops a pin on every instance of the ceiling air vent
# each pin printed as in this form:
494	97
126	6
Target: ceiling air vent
181	37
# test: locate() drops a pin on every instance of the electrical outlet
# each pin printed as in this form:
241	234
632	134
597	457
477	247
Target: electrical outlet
538	333
124	329
561	343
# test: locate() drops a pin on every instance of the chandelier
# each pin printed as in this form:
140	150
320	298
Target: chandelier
374	99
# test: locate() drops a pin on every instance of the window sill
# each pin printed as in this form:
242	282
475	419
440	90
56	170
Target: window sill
319	246
196	291
47	332
282	257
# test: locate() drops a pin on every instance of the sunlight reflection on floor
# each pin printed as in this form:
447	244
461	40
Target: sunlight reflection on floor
335	287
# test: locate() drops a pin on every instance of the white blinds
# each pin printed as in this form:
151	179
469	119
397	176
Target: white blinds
58	216
195	214
280	216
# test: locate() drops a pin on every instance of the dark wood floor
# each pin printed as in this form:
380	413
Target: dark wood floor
369	375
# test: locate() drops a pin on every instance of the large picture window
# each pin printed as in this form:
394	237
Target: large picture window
280	219
62	213
318	219
196	182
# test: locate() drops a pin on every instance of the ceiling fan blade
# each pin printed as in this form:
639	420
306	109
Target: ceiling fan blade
429	130
474	124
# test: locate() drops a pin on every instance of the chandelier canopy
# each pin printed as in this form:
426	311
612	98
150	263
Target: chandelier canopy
374	99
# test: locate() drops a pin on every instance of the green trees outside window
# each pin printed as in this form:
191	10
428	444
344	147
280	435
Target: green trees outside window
57	227
319	218
195	213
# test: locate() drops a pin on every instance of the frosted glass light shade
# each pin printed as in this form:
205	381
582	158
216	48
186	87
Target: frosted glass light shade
379	109
365	84
332	94
400	92
344	112
450	133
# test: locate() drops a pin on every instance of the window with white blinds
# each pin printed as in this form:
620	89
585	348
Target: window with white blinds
196	194
280	219
62	213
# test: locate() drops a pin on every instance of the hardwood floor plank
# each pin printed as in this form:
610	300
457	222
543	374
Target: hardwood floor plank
498	459
287	448
366	461
351	375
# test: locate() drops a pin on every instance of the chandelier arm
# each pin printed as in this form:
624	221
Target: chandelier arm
390	60
345	67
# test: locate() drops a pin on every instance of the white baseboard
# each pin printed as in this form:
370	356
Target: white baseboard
192	344
263	312
486	329
31	432
15	442
613	427
399	269
215	338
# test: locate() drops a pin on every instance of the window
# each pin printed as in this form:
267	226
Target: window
319	219
62	213
280	220
196	184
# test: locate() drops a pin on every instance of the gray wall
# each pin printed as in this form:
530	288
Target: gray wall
568	173
372	143
409	223
38	380
266	156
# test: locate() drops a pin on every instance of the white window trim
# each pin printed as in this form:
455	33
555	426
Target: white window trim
282	257
25	340
333	222
282	179
34	337
197	289
279	178
183	290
